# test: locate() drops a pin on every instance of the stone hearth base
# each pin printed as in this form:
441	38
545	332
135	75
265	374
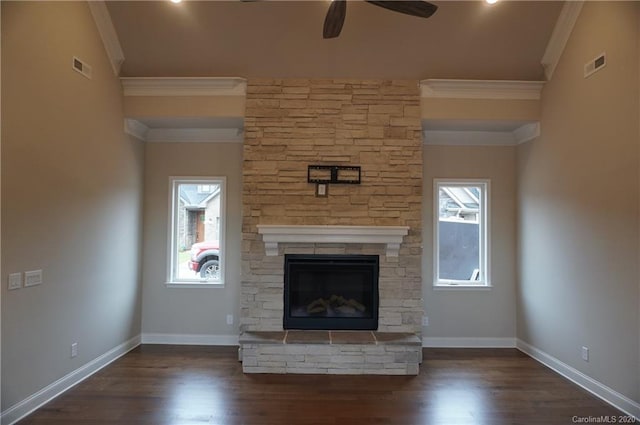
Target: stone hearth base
331	352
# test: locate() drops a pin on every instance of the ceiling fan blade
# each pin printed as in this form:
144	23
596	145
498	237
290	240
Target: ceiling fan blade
421	9
335	19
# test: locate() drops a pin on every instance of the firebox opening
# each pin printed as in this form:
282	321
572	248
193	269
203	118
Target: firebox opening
331	292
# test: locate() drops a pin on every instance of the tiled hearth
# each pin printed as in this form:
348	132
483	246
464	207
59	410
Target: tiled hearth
331	352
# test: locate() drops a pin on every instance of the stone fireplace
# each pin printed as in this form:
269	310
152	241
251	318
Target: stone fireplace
289	125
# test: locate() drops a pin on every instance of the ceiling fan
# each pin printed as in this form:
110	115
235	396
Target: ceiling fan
338	10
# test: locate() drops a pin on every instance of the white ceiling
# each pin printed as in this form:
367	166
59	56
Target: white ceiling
463	40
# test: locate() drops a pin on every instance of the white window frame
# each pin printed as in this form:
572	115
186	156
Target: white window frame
484	281
172	232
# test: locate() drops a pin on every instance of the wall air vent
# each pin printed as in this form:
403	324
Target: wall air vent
81	67
595	65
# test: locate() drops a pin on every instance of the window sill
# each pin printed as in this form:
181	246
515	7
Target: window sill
195	284
444	287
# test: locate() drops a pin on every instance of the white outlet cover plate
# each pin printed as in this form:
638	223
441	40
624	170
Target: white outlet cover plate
585	354
15	281
32	278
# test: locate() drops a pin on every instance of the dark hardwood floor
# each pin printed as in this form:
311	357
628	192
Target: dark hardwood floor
180	385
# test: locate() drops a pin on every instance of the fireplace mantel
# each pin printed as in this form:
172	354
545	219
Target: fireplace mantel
391	236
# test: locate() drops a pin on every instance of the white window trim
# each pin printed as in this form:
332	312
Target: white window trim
171	281
485	235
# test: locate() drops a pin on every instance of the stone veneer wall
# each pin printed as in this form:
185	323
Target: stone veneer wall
290	124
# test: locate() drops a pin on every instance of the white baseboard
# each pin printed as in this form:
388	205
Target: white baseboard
21	409
446	342
596	388
189	339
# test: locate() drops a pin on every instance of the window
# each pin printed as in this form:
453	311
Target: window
461	233
206	188
196	229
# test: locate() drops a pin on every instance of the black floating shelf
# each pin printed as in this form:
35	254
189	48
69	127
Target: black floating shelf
330	174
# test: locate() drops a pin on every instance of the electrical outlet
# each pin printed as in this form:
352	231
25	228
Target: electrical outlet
33	278
425	321
229	319
74	349
585	354
15	281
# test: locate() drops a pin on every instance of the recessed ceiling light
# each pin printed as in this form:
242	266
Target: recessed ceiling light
488	1
176	1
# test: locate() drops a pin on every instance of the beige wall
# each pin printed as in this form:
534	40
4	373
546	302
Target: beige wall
578	198
71	198
474	313
480	109
184	106
189	311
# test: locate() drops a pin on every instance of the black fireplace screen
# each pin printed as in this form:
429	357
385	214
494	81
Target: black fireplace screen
331	292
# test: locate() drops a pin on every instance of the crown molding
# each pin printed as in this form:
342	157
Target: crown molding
178	86
481	89
136	129
195	135
468	138
560	35
108	34
526	132
176	135
520	135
